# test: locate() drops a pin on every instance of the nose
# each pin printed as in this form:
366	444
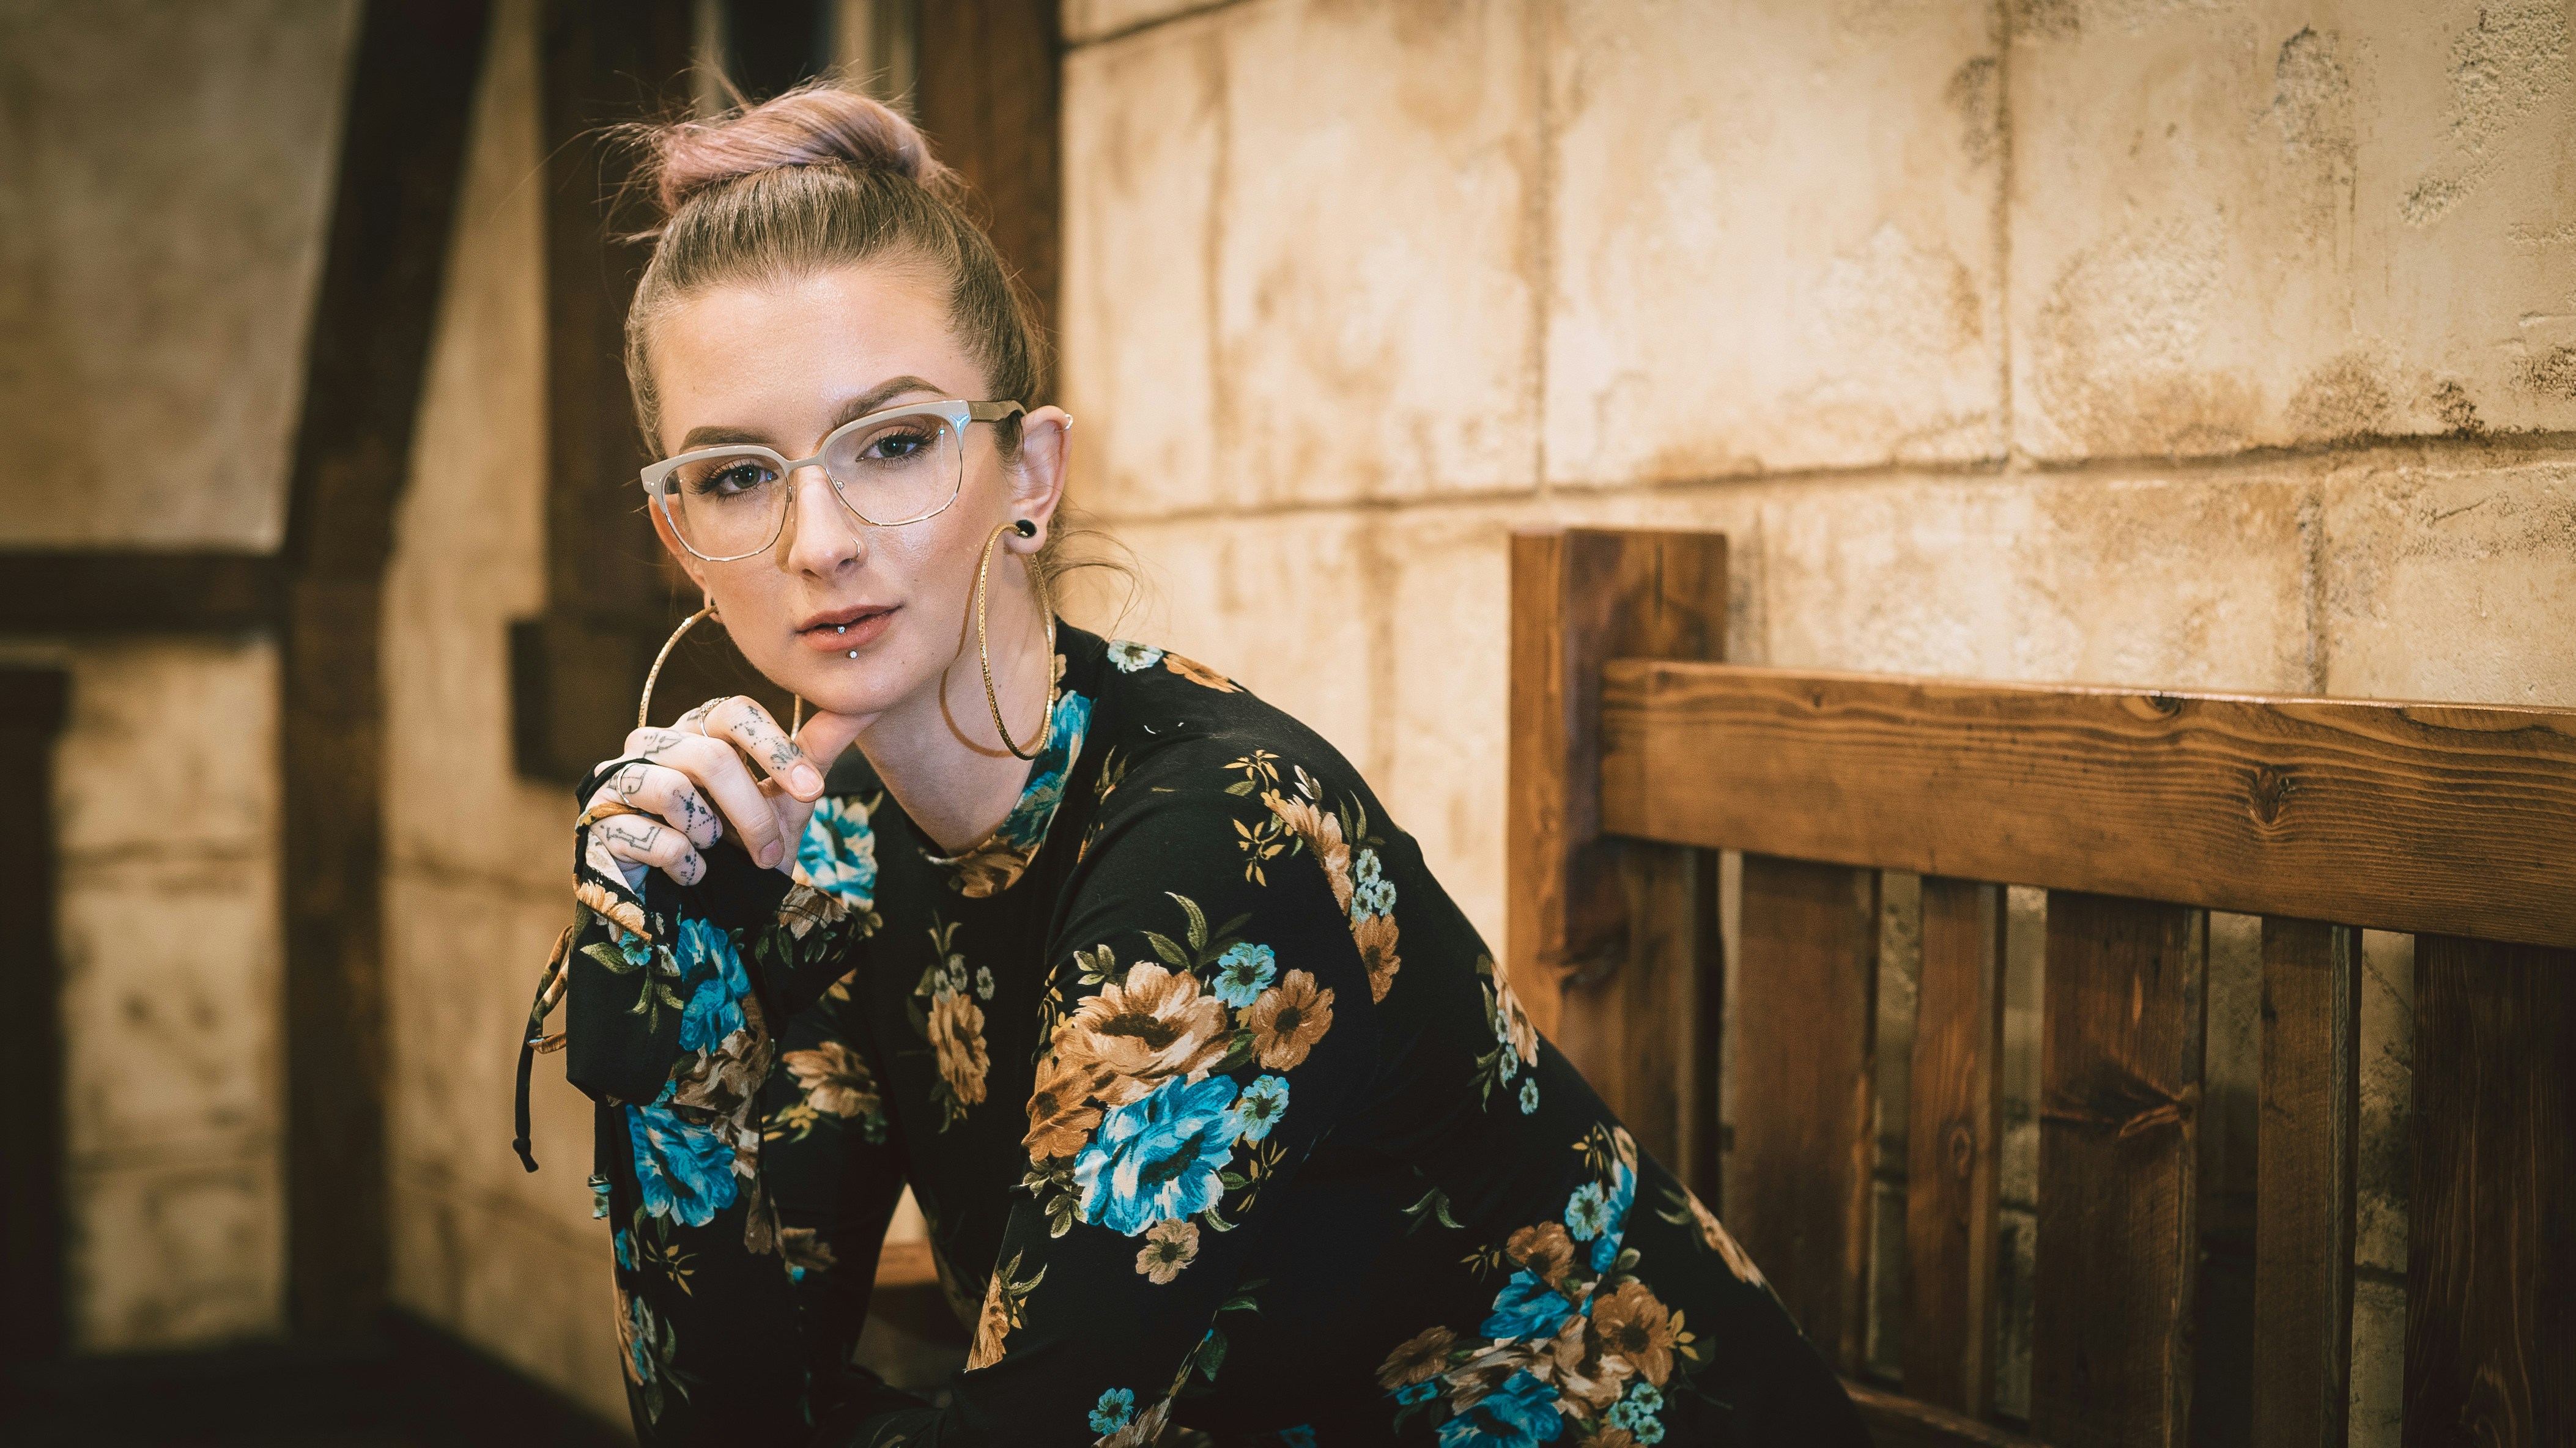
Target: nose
822	535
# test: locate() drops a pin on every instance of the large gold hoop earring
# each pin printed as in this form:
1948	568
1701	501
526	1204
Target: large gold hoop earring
984	647
644	706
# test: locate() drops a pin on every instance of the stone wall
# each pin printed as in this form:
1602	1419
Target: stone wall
2225	345
162	208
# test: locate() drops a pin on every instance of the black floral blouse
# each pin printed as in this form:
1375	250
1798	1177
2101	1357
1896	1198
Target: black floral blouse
1210	1096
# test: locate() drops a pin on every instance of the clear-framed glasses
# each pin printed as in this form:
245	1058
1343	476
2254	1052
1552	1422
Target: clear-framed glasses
889	468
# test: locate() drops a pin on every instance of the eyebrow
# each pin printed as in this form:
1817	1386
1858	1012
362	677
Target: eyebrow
857	407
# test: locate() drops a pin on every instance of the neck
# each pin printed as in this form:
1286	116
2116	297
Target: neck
938	752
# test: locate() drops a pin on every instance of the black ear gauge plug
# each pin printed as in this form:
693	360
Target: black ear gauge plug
1026	528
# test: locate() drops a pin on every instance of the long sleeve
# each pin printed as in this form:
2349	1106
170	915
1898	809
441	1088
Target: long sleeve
1211	1018
748	1160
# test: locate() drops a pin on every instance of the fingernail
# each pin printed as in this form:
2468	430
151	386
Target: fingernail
769	856
806	780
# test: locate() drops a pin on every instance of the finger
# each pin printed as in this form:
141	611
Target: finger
658	789
714	766
648	841
823	739
743	720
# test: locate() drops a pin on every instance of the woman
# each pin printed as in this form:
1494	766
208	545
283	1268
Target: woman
1211	1097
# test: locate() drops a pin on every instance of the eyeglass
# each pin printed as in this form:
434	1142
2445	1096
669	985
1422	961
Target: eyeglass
901	465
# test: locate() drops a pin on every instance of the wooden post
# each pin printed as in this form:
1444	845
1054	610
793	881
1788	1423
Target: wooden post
2491	1227
33	703
400	160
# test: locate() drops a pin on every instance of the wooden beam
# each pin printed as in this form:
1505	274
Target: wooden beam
2306	1147
33	705
1805	1077
989	80
1897	1421
127	591
401	155
1579	597
2491	1225
1954	1144
2119	1240
2421	817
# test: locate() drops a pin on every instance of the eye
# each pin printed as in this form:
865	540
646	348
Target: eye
733	477
899	444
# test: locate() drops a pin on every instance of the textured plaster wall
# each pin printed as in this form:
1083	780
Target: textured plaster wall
165	178
162	204
2228	344
476	879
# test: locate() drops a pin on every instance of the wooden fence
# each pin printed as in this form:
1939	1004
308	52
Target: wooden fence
1636	756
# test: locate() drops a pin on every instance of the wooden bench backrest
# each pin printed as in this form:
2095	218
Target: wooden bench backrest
1636	755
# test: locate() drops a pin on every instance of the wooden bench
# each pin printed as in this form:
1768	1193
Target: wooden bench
1636	756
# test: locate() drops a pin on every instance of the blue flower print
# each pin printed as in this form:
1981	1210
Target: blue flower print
1301	1436
838	854
625	1249
1529	1092
1115	1410
1244	972
712	973
1614	1216
1259	1107
686	1171
1372	893
1587	1215
1416	1392
1130	656
1526	1308
1636	1412
1160	1158
636	949
1520	1414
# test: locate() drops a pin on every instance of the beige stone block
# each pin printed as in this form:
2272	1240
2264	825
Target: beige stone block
1772	238
2191	582
170	750
170	1009
175	1254
161	239
1449	696
1378	271
1085	21
1143	153
2455	583
1291	606
2264	222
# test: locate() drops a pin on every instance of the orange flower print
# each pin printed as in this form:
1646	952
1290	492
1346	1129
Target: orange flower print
1198	673
957	1038
1153	1026
1632	1323
1375	936
1169	1247
1322	833
1417	1358
835	1081
1061	1114
1288	1020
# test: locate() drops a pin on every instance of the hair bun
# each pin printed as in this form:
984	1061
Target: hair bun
816	124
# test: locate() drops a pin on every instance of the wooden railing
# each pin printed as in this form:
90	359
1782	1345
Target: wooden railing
1636	756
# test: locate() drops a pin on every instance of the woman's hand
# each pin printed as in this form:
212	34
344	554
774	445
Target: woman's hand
676	791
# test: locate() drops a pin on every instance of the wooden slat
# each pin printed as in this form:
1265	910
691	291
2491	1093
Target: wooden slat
2418	817
2119	1242
1897	1421
1807	988
990	89
2305	1154
33	704
1638	1022
2491	1228
1953	1144
401	156
1579	596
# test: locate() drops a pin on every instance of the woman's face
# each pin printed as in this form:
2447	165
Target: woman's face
857	619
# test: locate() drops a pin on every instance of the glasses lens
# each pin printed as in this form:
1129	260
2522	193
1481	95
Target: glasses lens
896	469
727	504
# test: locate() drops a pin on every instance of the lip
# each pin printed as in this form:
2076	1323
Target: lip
840	630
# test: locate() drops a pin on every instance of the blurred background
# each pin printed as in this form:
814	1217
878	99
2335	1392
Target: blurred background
2212	344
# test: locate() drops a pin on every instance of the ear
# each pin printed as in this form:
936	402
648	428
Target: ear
1037	480
689	562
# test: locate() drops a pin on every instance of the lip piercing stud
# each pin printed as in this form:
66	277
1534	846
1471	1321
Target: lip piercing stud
854	653
844	628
